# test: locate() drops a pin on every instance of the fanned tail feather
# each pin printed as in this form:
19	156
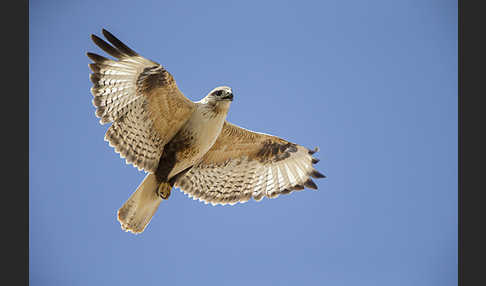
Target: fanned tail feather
138	210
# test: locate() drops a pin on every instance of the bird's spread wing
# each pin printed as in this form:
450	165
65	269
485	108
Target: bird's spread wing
243	164
142	100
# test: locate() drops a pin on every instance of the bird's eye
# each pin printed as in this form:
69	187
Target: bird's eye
218	93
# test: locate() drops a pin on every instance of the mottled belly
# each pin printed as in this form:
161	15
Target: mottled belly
190	144
180	153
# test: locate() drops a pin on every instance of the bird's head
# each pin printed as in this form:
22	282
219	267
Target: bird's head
219	99
220	95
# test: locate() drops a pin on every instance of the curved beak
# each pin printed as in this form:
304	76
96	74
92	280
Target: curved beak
228	97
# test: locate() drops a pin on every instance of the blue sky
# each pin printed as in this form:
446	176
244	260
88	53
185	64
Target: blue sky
372	83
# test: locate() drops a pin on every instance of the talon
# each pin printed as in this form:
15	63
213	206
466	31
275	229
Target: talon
165	194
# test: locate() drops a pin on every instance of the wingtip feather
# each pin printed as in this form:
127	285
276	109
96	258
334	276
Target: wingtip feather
316	174
118	44
310	184
106	47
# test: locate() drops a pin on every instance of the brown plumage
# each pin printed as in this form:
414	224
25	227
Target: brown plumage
186	144
243	164
141	99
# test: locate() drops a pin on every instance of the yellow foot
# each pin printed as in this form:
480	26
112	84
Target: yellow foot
164	193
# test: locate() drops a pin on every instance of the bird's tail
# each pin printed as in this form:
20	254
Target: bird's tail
137	211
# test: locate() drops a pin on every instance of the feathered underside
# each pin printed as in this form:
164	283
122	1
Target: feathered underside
243	164
140	98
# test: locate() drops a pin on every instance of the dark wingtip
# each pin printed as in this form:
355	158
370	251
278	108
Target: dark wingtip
96	58
118	44
106	47
315	160
298	187
107	33
286	191
314	151
310	184
316	174
94	68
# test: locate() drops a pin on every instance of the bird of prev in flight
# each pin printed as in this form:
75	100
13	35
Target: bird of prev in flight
186	144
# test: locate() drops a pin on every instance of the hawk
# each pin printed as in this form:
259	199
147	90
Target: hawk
186	144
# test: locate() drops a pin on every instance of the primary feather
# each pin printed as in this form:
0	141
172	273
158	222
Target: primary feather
140	98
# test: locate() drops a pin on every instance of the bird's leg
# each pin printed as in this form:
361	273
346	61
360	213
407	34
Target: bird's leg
163	190
166	164
164	193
